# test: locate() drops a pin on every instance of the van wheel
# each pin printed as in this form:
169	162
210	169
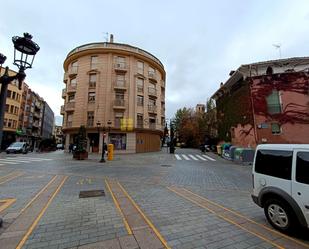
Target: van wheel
279	215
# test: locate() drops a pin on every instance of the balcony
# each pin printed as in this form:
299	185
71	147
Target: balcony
152	75
69	124
62	110
71	88
152	108
65	77
163	84
70	106
119	104
152	91
140	89
73	71
120	67
64	93
152	126
120	85
92	84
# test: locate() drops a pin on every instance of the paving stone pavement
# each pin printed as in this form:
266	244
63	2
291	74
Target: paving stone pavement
72	222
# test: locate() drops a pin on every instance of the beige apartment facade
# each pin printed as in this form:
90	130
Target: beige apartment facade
120	86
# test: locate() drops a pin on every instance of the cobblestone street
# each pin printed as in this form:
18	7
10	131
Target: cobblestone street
152	200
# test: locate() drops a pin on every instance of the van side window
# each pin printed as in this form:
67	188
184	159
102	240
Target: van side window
302	167
277	163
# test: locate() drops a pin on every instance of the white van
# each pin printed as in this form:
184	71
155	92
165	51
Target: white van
281	184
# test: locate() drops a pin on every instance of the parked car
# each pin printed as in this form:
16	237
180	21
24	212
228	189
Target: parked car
60	146
280	177
18	147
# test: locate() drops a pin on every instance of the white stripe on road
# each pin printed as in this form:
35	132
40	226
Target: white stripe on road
15	160
185	157
193	157
211	159
32	158
202	158
7	162
178	157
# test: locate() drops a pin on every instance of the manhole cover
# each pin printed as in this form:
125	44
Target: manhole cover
91	193
166	165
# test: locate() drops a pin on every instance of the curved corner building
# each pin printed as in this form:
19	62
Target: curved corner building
119	86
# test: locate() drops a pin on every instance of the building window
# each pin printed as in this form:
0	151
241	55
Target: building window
302	167
152	102
280	161
5	122
118	140
11	109
91	97
69	120
120	62
119	99
94	62
275	128
74	67
269	70
140	121
9	94
152	123
151	72
162	121
16	110
7	108
273	102
71	97
140	100
140	85
140	67
73	82
14	95
120	80
90	118
10	123
118	117
92	80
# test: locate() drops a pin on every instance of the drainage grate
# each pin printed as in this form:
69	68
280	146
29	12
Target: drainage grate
166	165
91	193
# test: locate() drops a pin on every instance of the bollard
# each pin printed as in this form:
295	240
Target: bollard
110	149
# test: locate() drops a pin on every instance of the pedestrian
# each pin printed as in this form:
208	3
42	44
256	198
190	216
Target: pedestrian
70	147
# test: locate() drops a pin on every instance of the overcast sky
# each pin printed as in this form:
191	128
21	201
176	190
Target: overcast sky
199	42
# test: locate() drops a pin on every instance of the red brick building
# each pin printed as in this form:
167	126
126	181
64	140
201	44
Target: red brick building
265	102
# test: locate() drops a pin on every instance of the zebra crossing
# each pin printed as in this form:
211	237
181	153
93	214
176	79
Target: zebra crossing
21	160
196	157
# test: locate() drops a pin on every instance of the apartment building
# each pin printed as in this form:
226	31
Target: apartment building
119	86
12	110
265	102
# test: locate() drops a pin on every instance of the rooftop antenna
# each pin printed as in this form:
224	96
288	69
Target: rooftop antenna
106	36
278	46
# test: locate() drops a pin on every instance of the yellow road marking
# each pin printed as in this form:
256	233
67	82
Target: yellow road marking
7	174
248	219
37	195
12	177
119	209
7	203
22	242
145	218
227	219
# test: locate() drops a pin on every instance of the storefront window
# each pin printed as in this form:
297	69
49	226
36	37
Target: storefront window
118	140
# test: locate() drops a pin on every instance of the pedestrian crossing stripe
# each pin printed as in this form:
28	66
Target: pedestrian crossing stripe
18	160
29	158
193	157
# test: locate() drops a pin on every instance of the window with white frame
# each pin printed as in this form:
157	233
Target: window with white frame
140	67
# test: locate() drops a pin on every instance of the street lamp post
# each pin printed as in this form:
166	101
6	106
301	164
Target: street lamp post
103	128
24	52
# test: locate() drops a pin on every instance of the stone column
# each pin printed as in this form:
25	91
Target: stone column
67	142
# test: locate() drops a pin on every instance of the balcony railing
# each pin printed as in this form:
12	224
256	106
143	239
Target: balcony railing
152	75
152	126
71	88
120	84
119	103
139	125
64	93
62	110
70	106
92	84
120	66
73	71
69	124
152	108
140	89
65	77
152	91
